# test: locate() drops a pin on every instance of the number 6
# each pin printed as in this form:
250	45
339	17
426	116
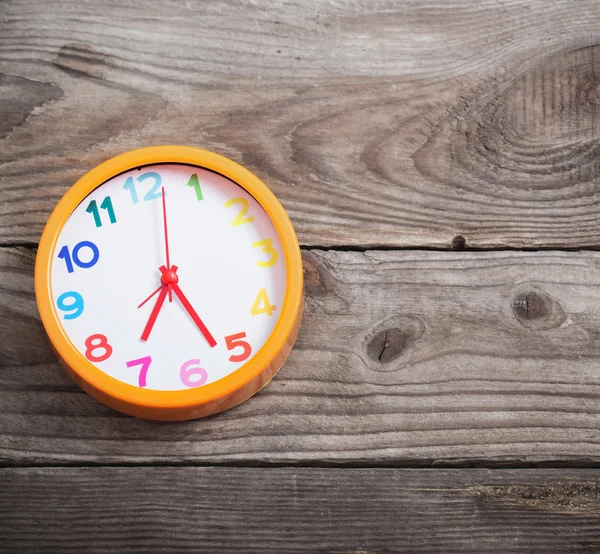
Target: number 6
188	370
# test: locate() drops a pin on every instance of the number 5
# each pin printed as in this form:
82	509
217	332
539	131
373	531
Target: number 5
233	341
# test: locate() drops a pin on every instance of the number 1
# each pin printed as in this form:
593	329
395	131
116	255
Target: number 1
193	182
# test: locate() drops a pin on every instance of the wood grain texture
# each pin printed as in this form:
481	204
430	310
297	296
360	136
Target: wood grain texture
298	510
403	358
389	123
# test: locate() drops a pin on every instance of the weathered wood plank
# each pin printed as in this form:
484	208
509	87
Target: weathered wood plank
388	123
298	510
403	357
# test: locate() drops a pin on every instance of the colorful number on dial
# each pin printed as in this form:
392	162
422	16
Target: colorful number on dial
154	191
73	309
267	248
235	341
192	375
66	255
145	363
262	304
97	342
195	183
239	218
106	205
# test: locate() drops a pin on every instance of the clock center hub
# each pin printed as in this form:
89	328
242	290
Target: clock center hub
169	277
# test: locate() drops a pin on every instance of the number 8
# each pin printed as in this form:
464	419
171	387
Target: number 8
102	343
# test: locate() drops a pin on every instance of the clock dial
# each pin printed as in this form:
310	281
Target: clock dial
176	323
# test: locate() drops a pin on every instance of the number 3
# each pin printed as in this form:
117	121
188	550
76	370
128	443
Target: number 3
267	248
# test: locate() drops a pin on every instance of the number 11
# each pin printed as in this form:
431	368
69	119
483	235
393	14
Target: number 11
106	205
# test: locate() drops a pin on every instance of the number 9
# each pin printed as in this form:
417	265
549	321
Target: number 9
74	308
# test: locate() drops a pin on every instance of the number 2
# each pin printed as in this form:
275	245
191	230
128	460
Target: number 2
145	363
152	194
239	218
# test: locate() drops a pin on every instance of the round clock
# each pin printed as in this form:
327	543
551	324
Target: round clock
169	281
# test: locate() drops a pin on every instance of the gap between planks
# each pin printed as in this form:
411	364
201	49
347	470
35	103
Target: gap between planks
386	248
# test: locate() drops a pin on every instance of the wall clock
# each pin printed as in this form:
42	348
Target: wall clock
169	282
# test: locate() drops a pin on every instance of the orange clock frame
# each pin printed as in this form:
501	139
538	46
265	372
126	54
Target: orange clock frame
181	404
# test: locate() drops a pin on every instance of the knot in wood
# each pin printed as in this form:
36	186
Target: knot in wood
459	243
391	339
537	310
312	276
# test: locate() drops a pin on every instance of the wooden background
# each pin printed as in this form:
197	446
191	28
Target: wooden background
441	164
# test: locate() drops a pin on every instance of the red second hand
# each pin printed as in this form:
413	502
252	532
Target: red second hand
157	290
169	284
164	206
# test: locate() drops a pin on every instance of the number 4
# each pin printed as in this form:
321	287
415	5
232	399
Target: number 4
267	307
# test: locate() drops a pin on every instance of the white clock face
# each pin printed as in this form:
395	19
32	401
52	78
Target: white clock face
213	303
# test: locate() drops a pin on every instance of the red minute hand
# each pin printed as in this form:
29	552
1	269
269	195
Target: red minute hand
190	310
186	304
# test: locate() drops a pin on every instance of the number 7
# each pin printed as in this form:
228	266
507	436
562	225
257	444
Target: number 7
145	363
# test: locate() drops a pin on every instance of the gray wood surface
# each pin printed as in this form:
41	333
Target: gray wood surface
210	510
376	123
403	357
383	127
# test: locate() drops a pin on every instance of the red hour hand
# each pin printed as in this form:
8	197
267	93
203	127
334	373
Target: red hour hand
152	319
168	277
